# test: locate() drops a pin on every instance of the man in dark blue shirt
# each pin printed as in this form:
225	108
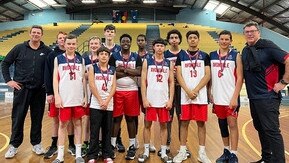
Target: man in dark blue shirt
266	72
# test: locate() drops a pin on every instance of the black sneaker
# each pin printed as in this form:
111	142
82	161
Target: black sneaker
112	153
84	149
52	150
130	155
225	157
71	150
120	147
167	151
233	158
189	154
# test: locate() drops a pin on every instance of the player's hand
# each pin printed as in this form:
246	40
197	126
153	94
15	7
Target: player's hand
233	104
193	94
146	104
14	85
169	105
50	99
58	102
278	87
104	104
211	98
84	102
120	69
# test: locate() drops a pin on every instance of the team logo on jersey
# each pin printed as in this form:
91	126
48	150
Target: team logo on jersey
166	64
77	60
230	57
132	58
200	57
41	54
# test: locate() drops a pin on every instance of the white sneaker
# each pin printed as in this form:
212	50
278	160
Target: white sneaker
12	151
180	157
38	149
203	158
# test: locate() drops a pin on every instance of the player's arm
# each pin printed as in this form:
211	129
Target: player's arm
181	80
239	83
206	78
112	90
84	84
58	101
171	86
137	70
144	84
92	86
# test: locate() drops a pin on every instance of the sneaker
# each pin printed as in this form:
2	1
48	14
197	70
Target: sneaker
180	157
225	156
112	154
120	147
233	158
108	160
79	160
57	161
188	153
152	148
91	161
143	158
260	161
167	151
52	150
38	149
130	153
71	150
203	158
12	151
84	149
167	159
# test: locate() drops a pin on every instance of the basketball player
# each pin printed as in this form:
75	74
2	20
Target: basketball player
70	93
193	74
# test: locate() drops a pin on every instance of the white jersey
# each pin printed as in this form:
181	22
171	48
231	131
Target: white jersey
103	83
157	82
70	74
193	70
223	72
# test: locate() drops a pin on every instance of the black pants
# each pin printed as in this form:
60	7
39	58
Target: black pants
265	114
24	98
103	119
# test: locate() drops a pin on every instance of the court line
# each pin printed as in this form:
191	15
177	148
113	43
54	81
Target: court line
6	143
5	117
248	141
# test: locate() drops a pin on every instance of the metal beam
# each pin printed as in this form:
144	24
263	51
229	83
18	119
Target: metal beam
258	14
21	6
12	10
7	16
204	4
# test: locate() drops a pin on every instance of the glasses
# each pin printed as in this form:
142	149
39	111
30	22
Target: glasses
252	31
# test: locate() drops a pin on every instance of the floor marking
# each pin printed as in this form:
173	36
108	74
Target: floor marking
6	143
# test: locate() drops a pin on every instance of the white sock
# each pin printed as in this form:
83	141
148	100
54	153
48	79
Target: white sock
202	149
183	149
227	147
163	151
60	153
146	149
235	152
77	150
113	141
132	142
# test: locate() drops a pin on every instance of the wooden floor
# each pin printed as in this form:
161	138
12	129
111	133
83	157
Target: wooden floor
248	144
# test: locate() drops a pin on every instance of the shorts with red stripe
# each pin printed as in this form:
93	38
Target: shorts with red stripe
223	111
52	110
197	112
87	110
126	103
76	112
157	114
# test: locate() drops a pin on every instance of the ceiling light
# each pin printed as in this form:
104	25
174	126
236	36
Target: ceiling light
119	0
211	5
88	1
180	6
221	8
149	1
50	2
38	3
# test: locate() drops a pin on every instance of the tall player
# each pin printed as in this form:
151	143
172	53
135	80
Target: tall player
193	74
174	38
53	112
128	66
157	85
69	73
226	84
90	58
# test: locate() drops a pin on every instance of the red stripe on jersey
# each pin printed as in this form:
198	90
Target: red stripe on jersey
271	76
286	56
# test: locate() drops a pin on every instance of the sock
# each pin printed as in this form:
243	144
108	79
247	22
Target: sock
146	149
54	141
77	150
163	151
71	140
113	141
227	147
235	152
132	142
202	149
60	154
183	149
